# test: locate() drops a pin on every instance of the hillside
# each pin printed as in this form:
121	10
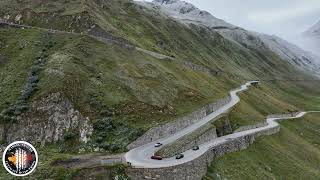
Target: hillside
187	13
276	157
86	88
190	15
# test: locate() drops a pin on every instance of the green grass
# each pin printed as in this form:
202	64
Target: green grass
19	51
274	98
137	90
47	168
294	153
44	168
100	80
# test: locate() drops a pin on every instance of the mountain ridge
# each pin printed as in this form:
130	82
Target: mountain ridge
284	49
313	30
187	12
310	39
115	93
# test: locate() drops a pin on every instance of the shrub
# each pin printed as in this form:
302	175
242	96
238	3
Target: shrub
9	111
114	136
104	124
105	146
4	118
106	113
114	147
103	134
31	86
69	135
34	70
99	139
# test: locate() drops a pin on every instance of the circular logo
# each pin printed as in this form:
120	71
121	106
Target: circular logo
20	158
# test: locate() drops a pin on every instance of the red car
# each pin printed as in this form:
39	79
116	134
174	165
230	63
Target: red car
156	157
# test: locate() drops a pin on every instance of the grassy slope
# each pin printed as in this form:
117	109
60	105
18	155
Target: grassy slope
47	169
148	29
17	65
280	155
294	153
274	98
89	67
139	89
101	78
97	77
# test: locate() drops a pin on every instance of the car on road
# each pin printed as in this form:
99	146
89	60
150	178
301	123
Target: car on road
179	156
195	148
156	157
158	145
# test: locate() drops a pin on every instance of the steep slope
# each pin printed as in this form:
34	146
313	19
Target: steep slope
295	55
189	14
276	157
121	83
101	95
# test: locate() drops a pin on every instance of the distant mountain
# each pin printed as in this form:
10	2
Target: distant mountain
310	39
294	54
189	14
314	30
87	76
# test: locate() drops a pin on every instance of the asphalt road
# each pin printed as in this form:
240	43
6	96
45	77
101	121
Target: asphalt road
141	157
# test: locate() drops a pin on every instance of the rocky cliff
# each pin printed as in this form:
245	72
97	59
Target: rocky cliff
50	120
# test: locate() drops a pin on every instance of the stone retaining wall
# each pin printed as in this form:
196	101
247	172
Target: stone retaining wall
282	115
206	137
203	135
197	168
245	128
177	125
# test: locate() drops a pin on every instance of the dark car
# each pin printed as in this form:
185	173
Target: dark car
179	156
156	157
195	148
158	145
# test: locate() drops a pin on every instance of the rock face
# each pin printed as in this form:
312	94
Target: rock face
48	120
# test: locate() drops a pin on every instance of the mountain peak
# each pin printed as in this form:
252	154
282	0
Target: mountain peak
188	13
314	30
165	1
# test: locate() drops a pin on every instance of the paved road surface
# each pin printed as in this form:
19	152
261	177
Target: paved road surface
140	157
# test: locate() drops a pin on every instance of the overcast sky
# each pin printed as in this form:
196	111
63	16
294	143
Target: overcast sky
285	18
